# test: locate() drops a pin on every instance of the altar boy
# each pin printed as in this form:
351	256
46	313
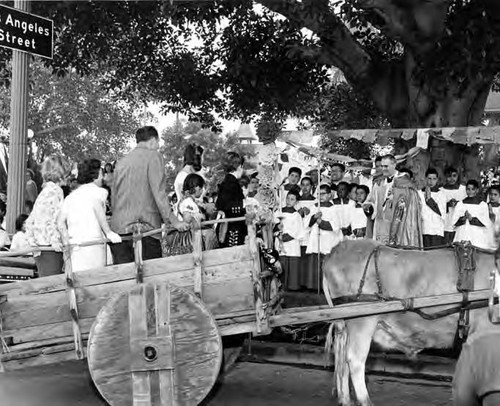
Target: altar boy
433	210
325	232
289	223
471	218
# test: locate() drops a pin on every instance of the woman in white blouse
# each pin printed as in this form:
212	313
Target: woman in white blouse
83	218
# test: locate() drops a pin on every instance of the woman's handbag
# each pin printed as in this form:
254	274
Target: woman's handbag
177	243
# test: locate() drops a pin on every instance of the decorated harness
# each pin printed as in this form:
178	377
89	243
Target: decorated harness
465	254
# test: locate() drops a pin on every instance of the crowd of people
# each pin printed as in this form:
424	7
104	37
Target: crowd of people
107	201
387	207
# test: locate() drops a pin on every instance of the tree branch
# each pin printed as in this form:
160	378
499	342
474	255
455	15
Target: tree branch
339	47
417	24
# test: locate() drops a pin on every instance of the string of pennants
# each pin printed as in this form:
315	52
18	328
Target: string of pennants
301	140
458	135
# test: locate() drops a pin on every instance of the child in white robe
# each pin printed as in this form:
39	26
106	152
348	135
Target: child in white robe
344	205
471	218
433	210
305	207
289	223
325	233
453	192
359	217
293	179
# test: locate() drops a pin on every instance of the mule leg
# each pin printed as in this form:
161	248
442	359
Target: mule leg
360	333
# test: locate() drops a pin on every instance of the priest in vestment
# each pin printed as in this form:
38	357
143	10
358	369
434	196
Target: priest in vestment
396	208
406	207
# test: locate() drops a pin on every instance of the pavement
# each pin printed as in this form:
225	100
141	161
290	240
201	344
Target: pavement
248	384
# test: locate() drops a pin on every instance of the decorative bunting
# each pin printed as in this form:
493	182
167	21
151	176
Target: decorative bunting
457	135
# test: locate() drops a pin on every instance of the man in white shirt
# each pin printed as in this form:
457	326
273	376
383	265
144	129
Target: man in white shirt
433	210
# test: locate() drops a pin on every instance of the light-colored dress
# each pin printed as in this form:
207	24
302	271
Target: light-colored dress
478	236
80	209
41	225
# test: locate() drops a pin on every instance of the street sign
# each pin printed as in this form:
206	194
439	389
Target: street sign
26	32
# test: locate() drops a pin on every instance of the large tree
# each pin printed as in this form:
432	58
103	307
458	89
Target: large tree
422	62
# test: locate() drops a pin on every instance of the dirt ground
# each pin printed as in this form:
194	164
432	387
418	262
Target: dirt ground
248	384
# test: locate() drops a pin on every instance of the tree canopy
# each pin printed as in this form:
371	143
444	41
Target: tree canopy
420	62
76	115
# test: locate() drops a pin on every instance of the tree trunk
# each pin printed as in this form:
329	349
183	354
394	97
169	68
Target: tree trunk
409	103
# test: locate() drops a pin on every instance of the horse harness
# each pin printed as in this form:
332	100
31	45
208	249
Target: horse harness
465	254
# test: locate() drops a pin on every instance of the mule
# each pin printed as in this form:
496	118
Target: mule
401	274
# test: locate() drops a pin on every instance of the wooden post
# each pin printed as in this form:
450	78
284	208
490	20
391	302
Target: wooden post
198	257
167	378
141	384
258	290
70	292
16	176
137	238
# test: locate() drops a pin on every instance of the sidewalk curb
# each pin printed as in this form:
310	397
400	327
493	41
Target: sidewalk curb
425	367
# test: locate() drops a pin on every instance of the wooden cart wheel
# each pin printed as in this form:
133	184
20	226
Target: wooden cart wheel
154	345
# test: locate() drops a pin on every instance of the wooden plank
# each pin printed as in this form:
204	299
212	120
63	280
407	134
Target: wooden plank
73	307
198	258
370	308
239	328
167	378
139	267
180	264
12	271
228	288
41	359
18	263
141	383
61	331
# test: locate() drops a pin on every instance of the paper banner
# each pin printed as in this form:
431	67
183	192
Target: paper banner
423	138
471	134
408	134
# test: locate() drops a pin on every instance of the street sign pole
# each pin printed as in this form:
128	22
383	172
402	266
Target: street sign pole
16	178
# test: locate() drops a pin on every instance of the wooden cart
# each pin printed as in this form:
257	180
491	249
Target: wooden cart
151	330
